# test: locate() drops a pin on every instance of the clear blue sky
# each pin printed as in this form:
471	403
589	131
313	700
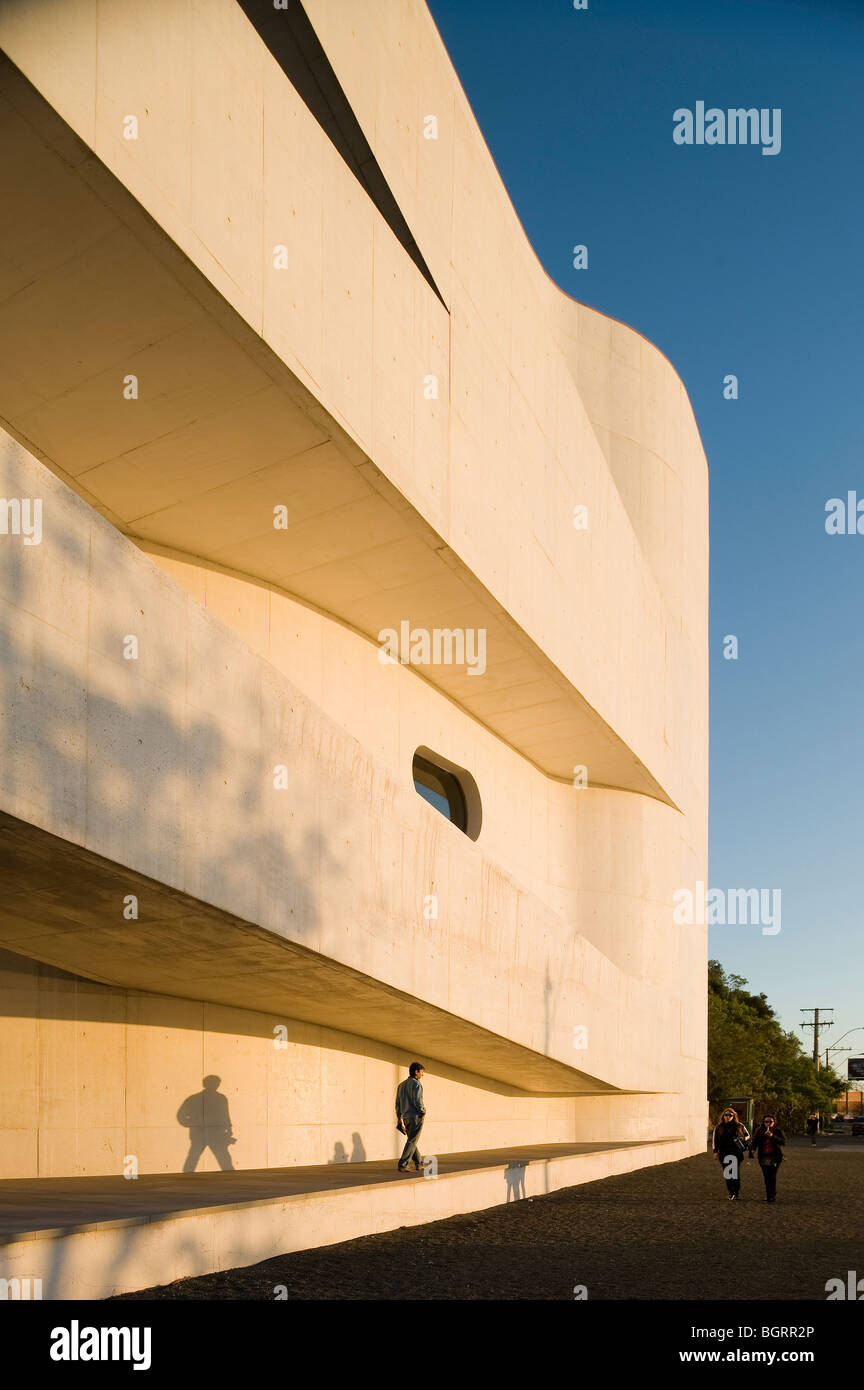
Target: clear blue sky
731	262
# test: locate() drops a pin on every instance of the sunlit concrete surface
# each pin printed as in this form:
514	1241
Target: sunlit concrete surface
304	381
153	778
214	858
90	1238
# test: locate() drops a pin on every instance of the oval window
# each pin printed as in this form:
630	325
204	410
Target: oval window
450	789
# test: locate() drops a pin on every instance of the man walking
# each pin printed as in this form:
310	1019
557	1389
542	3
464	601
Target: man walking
410	1114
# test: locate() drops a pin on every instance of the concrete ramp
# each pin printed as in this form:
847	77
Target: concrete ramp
93	1237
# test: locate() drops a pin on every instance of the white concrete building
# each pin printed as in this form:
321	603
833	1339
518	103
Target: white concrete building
279	375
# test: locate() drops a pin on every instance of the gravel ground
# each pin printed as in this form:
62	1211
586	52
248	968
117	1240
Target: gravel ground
664	1232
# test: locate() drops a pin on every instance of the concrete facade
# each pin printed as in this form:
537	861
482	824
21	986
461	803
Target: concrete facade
243	768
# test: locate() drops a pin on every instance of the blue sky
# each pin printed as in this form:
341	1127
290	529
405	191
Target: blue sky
731	262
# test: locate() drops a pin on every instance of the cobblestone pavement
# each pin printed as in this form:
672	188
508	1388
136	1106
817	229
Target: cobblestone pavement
665	1232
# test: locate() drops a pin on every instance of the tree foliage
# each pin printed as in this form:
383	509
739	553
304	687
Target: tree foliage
749	1054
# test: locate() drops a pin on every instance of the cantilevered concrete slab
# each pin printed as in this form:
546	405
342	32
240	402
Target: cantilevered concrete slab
60	901
251	830
223	423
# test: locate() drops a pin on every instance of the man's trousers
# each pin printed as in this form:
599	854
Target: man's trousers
410	1151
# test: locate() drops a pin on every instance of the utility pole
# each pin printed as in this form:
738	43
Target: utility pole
816	1023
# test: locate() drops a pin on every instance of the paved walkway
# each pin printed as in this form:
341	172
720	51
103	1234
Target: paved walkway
665	1231
64	1204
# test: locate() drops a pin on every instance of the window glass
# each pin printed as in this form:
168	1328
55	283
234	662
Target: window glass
441	789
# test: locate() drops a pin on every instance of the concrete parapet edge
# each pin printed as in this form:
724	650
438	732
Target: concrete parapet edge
98	1260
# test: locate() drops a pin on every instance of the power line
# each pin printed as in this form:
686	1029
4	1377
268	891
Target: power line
816	1023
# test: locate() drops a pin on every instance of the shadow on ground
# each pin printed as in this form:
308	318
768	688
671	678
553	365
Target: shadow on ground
665	1232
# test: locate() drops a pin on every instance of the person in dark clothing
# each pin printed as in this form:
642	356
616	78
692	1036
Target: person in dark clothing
730	1145
813	1128
410	1114
768	1140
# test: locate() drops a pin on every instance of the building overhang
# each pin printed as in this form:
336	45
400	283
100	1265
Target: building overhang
64	905
127	372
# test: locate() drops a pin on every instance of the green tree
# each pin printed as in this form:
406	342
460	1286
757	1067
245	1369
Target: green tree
749	1054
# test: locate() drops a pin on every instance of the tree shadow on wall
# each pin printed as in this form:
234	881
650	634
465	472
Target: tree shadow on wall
134	760
139	759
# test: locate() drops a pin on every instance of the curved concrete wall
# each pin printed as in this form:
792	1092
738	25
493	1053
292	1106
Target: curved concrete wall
168	764
257	651
607	862
227	187
163	764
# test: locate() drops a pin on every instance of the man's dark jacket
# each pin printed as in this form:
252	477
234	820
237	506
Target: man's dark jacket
409	1101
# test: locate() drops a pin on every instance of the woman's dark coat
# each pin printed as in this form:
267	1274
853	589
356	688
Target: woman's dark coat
757	1144
730	1139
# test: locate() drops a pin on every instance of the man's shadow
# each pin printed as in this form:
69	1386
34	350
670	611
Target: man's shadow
206	1117
514	1176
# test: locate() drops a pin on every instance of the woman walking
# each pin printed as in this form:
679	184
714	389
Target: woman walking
768	1141
730	1144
